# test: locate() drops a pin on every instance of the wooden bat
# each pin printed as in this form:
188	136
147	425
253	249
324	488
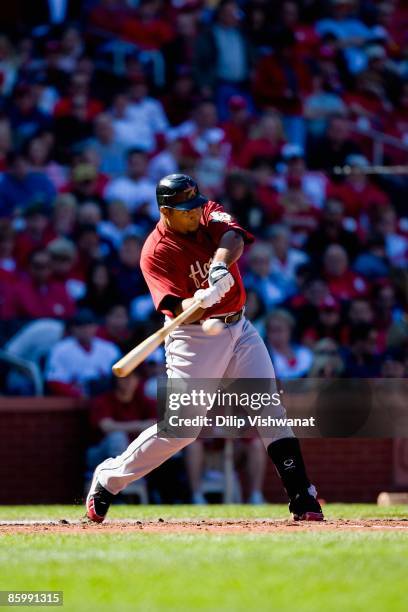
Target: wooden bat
131	360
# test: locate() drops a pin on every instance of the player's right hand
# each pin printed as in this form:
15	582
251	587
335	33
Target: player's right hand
210	296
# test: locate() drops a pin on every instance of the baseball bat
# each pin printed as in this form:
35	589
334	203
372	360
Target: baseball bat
131	360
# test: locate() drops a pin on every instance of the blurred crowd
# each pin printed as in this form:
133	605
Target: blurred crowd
259	101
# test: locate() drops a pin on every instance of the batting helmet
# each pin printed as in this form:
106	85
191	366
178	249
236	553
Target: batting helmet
179	191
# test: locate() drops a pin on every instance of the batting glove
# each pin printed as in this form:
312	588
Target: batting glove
225	283
217	271
208	297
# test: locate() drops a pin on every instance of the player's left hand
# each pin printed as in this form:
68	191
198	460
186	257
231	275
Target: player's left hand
225	283
217	271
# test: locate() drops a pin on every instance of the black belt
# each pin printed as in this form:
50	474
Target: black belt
228	319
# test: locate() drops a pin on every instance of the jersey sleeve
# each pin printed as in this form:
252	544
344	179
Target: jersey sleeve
162	279
219	222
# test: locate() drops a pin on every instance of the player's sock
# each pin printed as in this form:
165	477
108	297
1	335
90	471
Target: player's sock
287	458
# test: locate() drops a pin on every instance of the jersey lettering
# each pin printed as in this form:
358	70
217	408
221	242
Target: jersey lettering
199	273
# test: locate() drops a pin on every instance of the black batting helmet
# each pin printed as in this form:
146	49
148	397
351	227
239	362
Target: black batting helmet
179	191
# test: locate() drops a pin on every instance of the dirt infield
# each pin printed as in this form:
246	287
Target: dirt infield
214	526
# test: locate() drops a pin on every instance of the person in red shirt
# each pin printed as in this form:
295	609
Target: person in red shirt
282	79
117	416
37	296
148	29
265	141
37	233
358	193
192	256
116	326
344	284
306	37
237	126
79	88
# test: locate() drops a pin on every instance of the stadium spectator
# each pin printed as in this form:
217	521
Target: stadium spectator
180	101
8	264
86	183
327	361
350	32
118	416
290	360
305	305
126	271
331	230
260	278
328	324
24	116
194	131
393	364
334	147
281	81
116	327
296	210
64	214
101	292
36	295
111	153
20	186
320	105
73	104
91	247
361	358
63	263
80	359
78	90
39	156
36	234
373	263
139	119
343	283
237	125
249	450
147	27
8	66
285	259
222	57
314	185
167	161
265	141
357	192
118	225
135	189
240	200
255	310
385	222
210	169
179	52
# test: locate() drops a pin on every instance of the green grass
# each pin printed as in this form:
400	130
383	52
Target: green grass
303	571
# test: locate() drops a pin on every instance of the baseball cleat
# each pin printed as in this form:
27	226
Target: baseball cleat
97	502
305	507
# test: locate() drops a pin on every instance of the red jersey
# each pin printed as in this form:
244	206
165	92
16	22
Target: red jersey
109	406
176	265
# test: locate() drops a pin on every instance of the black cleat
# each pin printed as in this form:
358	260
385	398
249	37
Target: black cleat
305	507
98	502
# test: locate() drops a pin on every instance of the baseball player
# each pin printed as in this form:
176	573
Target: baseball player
192	253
